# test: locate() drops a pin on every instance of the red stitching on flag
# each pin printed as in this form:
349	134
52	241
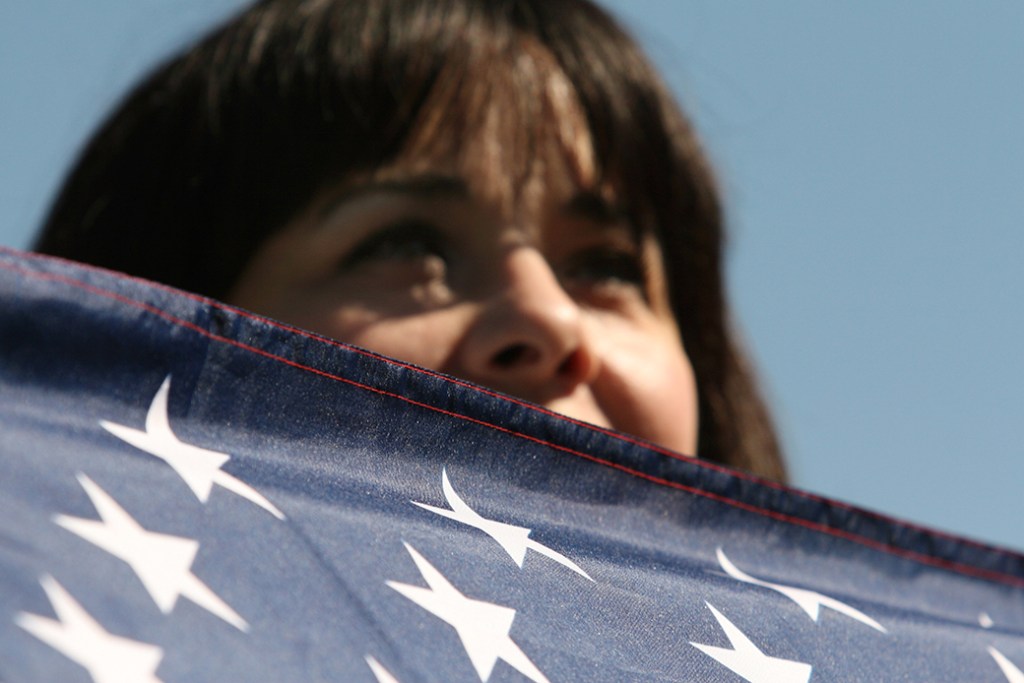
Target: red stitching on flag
816	526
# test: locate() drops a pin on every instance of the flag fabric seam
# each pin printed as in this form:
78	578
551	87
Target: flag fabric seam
923	558
739	474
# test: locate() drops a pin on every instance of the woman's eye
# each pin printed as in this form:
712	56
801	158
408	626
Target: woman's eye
601	267
407	241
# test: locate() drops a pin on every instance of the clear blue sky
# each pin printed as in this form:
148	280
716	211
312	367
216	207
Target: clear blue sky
872	155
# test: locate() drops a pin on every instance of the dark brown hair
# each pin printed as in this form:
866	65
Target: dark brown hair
224	145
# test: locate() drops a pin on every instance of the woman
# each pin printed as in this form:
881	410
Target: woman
498	189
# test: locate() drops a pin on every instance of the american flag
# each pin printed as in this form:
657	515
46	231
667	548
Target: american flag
189	492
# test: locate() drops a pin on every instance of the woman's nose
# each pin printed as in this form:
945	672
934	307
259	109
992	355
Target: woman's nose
530	337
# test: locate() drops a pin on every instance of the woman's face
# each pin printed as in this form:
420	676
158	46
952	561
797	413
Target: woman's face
538	288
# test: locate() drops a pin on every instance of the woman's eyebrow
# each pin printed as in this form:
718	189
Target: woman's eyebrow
593	207
425	186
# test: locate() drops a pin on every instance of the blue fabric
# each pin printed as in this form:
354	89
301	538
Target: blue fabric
318	492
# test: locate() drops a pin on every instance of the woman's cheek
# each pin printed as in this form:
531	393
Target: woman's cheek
428	340
646	387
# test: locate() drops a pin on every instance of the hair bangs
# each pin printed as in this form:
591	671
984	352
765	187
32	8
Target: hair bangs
499	110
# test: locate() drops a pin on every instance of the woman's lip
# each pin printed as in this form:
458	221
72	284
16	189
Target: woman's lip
580	405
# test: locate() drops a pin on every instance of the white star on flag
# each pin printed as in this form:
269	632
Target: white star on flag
161	561
514	539
76	635
199	467
379	672
483	627
746	660
1012	673
809	601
